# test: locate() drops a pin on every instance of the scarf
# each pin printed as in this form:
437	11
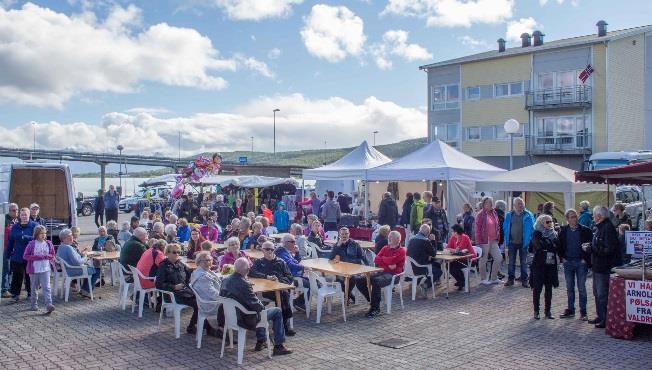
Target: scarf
547	233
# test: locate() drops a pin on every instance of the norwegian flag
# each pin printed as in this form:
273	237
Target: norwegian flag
586	73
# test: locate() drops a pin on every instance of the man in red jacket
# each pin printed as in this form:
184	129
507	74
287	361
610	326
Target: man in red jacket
391	258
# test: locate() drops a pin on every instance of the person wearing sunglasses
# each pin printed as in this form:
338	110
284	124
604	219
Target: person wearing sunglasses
543	271
173	276
273	268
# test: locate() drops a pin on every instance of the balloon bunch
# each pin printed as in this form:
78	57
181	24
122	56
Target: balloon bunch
195	171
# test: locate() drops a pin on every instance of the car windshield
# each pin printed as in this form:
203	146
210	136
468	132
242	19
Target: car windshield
140	193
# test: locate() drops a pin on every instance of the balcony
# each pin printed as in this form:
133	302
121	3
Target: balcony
558	145
563	97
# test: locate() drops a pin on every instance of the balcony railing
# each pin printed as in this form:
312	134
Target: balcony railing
563	97
558	144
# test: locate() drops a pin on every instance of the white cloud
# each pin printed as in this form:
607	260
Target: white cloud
151	110
473	43
333	33
544	2
143	132
516	28
395	43
453	13
255	10
254	65
274	53
47	57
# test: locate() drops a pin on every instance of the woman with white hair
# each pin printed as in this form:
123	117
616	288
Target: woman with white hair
543	271
171	233
124	233
585	216
487	235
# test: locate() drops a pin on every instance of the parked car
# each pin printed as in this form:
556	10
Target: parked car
636	203
85	205
127	205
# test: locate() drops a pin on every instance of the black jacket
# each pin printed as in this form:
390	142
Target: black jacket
350	252
224	213
420	250
380	242
604	247
236	287
585	237
388	212
405	214
170	274
540	272
439	221
276	267
99	205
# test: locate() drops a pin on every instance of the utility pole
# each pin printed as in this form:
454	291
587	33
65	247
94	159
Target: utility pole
375	132
252	144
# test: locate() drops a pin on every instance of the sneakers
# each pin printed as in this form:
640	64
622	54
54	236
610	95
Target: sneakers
6	294
372	313
50	309
279	350
567	314
509	282
549	316
594	321
260	345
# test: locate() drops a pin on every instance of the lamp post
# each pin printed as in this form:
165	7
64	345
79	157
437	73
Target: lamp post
252	144
375	132
274	111
31	156
120	149
511	127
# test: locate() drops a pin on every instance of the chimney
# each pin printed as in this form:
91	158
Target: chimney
602	28
501	45
538	38
525	40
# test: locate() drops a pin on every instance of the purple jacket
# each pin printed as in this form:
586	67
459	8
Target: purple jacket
30	257
481	226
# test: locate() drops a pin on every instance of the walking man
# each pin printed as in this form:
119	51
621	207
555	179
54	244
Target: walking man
518	227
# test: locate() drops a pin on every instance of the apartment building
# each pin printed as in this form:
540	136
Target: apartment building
563	119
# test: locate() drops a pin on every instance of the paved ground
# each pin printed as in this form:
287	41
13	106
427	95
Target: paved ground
489	328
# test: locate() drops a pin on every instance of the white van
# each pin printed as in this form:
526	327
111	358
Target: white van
48	184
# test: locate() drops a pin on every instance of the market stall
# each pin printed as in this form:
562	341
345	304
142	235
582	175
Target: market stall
438	161
543	182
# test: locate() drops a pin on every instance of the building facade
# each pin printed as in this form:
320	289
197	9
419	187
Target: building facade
563	119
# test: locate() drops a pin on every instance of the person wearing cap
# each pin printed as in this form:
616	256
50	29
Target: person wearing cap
34	210
111	200
281	218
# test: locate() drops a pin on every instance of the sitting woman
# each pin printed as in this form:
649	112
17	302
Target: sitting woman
317	238
183	230
210	231
149	262
381	238
171	233
251	242
194	244
98	243
232	253
173	276
459	242
124	233
112	230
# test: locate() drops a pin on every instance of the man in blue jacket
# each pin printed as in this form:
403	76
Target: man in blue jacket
20	235
518	227
111	200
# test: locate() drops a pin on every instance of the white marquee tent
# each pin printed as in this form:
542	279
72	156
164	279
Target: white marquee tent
351	166
438	161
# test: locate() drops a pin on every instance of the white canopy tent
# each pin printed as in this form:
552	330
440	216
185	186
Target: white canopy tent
352	166
244	181
541	177
438	161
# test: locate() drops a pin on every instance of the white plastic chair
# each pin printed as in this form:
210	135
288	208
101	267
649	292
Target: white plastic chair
387	292
470	269
123	289
141	292
203	315
57	284
327	291
173	306
318	250
331	235
67	279
231	323
408	272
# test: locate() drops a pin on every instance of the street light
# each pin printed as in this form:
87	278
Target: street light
275	110
375	132
511	127
252	144
120	149
31	156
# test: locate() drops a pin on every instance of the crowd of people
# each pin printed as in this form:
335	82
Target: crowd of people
159	241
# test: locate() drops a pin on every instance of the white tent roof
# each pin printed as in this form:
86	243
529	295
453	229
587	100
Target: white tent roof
435	161
244	181
544	177
351	166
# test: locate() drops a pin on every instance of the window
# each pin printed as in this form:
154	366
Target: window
500	133
501	90
447	133
452	132
565	132
516	88
473	93
508	89
487	133
473	134
445	97
546	81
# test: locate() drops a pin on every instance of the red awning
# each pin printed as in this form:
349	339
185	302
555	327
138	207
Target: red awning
631	174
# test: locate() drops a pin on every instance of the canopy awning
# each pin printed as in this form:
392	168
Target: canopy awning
631	174
540	177
243	181
352	166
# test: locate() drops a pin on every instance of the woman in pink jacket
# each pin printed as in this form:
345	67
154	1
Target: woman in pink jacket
487	235
39	255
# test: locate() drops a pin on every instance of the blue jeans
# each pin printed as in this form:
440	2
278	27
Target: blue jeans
601	293
511	268
576	268
275	315
95	275
5	275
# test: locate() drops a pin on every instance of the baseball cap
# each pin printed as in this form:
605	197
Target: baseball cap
34	205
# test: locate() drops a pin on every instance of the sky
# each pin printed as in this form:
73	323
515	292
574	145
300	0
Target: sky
89	75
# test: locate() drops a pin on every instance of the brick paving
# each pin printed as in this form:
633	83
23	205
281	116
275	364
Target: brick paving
489	328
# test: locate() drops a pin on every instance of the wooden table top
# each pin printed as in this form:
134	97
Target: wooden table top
451	257
254	253
364	244
190	263
264	285
104	256
338	268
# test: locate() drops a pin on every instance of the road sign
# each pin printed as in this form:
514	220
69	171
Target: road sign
243	160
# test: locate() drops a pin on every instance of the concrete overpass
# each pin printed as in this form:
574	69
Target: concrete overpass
103	159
